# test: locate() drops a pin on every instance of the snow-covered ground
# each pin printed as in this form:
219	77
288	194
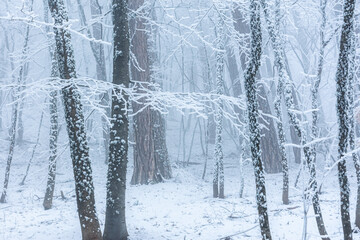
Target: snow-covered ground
181	208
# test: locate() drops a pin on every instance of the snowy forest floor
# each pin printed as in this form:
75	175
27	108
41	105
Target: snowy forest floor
181	208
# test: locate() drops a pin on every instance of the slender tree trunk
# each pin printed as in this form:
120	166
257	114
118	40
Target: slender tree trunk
54	123
11	150
315	88
115	221
253	114
218	180
50	186
34	149
15	114
342	79
101	73
84	187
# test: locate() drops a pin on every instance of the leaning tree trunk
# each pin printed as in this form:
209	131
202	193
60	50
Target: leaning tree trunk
253	114
218	175
151	163
342	79
115	221
287	90
84	187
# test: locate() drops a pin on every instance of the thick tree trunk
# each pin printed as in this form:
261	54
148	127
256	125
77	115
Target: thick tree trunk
342	79
253	115
84	188
151	163
115	221
352	134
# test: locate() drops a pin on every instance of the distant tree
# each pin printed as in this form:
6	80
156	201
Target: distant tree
151	162
84	187
15	112
99	56
218	174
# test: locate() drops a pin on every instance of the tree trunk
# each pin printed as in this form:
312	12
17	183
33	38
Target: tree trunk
342	79
84	188
54	123
270	149
218	179
253	115
151	164
352	134
115	221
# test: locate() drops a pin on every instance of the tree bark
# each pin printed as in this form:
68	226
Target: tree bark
253	115
54	124
270	152
151	163
342	79
218	175
84	187
115	221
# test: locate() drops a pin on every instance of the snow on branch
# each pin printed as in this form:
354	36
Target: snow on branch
144	93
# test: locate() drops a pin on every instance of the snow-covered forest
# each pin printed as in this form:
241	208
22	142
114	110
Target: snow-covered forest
179	119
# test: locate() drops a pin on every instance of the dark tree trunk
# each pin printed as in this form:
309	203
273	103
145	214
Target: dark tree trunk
270	152
84	188
115	221
342	79
352	136
253	114
151	163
